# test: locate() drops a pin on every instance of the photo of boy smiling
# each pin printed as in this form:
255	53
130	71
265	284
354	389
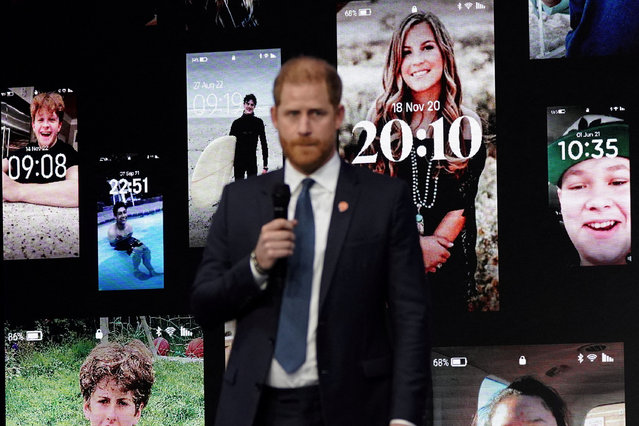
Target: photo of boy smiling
590	166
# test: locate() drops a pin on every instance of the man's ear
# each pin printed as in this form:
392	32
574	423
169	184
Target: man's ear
559	194
86	408
138	413
339	116
274	115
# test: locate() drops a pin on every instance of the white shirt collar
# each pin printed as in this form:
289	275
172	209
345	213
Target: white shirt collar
326	176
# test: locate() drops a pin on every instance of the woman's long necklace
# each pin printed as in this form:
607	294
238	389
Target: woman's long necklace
417	199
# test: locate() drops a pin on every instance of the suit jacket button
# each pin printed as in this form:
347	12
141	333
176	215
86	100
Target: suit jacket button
323	372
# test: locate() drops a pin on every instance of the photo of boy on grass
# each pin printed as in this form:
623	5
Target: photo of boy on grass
50	381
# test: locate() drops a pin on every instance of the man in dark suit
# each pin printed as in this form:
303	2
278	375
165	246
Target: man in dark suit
365	344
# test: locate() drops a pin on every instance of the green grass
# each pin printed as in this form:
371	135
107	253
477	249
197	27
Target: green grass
42	388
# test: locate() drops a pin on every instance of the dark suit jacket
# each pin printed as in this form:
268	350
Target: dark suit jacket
372	333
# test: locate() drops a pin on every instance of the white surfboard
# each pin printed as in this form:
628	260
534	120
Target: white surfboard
212	171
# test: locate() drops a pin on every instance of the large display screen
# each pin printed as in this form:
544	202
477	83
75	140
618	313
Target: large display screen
419	93
230	134
108	370
40	166
589	185
577	384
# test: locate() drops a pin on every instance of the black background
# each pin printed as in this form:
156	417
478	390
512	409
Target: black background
130	85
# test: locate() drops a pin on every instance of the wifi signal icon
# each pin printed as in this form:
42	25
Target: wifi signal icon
468	5
170	331
592	357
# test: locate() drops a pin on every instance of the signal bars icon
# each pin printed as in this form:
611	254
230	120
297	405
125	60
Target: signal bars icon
606	358
469	4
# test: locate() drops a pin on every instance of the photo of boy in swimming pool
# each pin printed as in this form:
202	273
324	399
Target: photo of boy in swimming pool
130	223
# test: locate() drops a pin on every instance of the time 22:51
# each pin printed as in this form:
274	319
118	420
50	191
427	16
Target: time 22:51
125	186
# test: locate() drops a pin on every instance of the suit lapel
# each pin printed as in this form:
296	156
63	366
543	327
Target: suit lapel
346	195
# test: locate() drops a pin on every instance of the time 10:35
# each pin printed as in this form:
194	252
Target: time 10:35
576	149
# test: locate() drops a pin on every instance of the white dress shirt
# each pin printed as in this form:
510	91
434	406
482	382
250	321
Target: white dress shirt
322	196
322	199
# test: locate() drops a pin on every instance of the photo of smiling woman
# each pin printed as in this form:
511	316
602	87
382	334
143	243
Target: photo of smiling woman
422	92
589	185
420	68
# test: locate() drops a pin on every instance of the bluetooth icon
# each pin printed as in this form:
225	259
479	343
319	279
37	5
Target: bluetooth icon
580	358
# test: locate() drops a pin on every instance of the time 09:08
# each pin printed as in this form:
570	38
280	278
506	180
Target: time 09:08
46	162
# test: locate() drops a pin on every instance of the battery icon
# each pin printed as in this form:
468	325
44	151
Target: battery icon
364	12
458	361
33	336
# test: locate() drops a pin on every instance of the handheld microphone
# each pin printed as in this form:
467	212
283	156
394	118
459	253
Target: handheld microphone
281	194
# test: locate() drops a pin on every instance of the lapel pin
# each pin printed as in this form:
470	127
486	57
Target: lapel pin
342	206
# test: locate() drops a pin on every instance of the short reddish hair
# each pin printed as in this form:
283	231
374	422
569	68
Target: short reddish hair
52	102
308	69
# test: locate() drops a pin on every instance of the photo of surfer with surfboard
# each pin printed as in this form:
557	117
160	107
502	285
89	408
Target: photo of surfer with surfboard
224	125
247	129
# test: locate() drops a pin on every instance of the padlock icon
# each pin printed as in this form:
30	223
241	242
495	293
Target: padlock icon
98	334
522	360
